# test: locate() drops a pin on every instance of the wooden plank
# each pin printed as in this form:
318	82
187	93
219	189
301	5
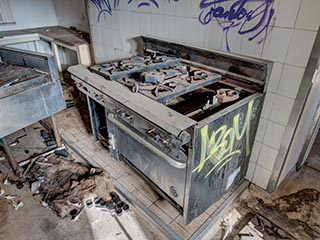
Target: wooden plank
55	131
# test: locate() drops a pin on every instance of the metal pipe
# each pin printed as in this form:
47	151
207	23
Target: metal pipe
12	160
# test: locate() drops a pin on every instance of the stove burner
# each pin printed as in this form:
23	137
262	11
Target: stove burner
225	95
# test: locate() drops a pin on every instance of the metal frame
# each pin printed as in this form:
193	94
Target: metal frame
296	114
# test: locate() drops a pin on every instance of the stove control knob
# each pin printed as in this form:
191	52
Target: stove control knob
173	191
98	97
184	137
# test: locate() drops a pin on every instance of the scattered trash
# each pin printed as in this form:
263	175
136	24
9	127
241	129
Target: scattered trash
48	138
17	205
2	158
2	192
227	229
89	203
35	186
73	212
45	135
63	184
125	207
61	153
50	143
9	197
74	201
116	199
20	185
15	143
77	216
7	181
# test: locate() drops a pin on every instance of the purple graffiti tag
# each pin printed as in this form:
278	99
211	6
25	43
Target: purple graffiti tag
251	22
104	6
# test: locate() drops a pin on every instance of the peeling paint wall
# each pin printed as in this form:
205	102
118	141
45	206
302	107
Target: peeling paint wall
31	14
71	13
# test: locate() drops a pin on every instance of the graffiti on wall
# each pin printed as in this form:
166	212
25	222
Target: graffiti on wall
255	22
253	19
106	6
218	146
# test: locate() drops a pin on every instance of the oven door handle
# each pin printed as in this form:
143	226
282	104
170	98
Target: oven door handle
146	144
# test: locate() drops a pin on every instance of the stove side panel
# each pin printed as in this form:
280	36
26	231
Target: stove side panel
222	149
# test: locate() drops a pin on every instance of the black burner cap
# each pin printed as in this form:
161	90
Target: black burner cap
73	212
125	207
119	211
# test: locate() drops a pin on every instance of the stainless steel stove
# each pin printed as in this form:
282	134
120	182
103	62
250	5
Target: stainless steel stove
183	117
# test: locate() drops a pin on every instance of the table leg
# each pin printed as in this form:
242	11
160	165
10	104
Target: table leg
55	131
11	158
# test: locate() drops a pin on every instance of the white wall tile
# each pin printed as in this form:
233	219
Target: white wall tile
250	171
261	129
181	29
168	27
196	33
274	135
309	17
109	53
249	48
277	44
267	157
234	41
213	36
117	40
275	77
124	16
107	36
267	105
281	109
116	21
145	23
129	44
156	25
290	81
286	13
261	177
255	151
168	7
134	22
195	10
183	9
300	47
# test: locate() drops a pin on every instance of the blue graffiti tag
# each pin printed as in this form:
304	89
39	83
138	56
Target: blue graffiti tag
104	6
252	22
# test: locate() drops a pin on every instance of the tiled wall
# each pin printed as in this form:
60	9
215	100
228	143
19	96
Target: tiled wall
288	44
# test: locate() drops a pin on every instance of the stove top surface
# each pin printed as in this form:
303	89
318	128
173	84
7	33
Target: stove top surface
159	77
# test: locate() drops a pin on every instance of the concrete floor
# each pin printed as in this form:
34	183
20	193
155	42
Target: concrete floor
35	222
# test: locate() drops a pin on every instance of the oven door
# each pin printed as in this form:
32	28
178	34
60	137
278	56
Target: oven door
163	171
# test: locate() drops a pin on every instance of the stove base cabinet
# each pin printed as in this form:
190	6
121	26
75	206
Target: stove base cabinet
190	147
217	160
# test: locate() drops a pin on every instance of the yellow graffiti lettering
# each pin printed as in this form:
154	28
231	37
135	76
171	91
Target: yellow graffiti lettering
219	148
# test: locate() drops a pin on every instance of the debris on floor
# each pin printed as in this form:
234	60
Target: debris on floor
63	183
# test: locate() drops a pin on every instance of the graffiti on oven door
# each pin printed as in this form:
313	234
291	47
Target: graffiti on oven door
218	146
